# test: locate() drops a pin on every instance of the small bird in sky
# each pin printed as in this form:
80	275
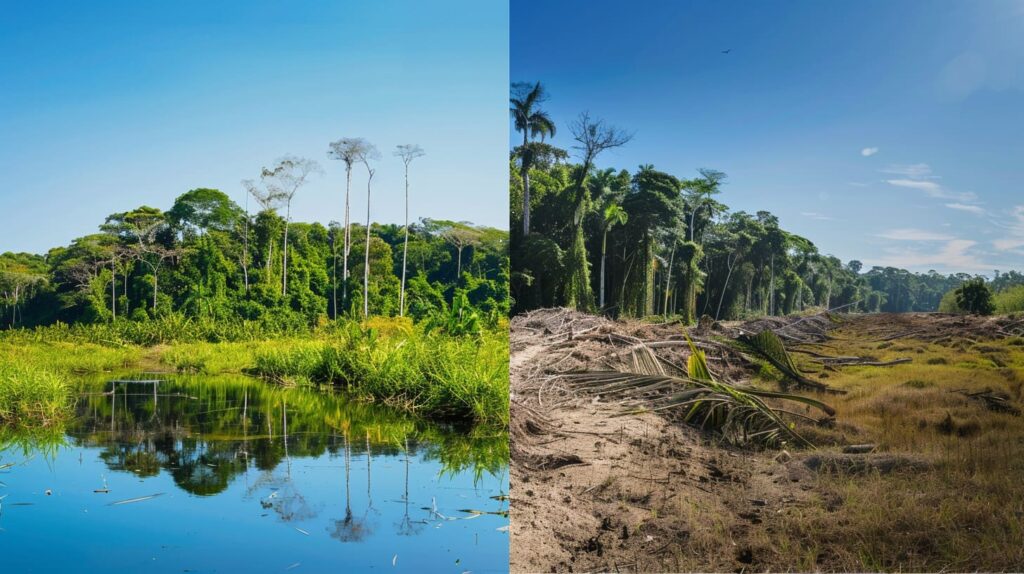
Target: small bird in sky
727	51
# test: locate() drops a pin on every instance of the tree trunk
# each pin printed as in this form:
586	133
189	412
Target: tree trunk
458	272
366	262
405	247
284	269
113	291
526	186
668	280
348	237
729	265
604	246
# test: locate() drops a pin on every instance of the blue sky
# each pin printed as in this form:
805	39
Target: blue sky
889	132
106	106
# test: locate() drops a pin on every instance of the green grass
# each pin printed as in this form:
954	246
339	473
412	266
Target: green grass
437	376
32	396
389	361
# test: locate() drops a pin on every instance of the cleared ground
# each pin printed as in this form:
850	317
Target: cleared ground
942	487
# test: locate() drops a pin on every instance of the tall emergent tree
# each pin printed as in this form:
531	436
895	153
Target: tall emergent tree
593	137
407	152
349	151
366	155
533	122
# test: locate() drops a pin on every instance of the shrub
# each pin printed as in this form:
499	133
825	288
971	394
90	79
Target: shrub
975	297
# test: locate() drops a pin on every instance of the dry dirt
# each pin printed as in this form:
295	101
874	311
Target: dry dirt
595	490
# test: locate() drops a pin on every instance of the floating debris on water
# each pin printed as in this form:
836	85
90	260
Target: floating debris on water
133	500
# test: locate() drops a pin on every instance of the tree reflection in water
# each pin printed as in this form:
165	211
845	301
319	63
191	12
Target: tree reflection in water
200	431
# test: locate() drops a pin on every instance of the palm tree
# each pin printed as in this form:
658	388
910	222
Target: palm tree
612	214
407	152
533	122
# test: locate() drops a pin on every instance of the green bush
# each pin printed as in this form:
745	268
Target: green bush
975	297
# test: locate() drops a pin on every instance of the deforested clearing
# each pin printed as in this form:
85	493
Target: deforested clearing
919	468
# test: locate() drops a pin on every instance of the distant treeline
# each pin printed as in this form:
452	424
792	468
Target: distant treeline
208	258
652	243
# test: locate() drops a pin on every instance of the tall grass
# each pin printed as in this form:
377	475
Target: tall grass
459	378
437	376
32	396
163	330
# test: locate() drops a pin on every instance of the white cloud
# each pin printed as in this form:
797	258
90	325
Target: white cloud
953	254
930	187
913	171
868	151
977	210
910	234
815	215
919	176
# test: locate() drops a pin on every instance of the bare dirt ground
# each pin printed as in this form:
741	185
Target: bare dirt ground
596	490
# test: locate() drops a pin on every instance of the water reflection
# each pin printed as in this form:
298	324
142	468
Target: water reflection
206	434
294	456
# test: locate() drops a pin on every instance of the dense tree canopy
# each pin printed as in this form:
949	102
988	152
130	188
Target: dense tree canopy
649	242
206	257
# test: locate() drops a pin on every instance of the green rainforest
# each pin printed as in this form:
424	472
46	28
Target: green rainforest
410	314
647	242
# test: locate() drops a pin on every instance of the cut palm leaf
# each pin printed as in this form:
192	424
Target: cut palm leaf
740	415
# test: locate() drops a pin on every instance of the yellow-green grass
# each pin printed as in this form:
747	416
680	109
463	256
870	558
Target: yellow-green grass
459	379
32	396
963	513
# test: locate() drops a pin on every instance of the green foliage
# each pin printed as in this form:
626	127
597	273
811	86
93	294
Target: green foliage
32	396
1011	300
454	378
975	297
209	268
733	265
458	321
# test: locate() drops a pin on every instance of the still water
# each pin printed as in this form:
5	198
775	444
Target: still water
228	474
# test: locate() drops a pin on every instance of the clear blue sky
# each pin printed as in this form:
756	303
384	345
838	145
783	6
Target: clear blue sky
886	131
105	106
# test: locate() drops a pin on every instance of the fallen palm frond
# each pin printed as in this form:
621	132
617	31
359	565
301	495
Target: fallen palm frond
768	346
740	415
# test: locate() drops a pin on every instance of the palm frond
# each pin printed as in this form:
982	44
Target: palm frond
740	415
769	346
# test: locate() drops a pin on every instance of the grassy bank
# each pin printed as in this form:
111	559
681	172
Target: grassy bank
448	378
32	396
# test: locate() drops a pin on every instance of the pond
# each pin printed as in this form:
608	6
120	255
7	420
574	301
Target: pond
228	474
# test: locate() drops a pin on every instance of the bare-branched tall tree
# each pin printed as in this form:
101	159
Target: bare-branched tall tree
349	151
283	181
367	154
407	152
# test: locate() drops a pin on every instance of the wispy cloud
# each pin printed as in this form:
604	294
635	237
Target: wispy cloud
868	151
953	254
930	187
912	171
919	176
1014	239
975	209
910	234
815	215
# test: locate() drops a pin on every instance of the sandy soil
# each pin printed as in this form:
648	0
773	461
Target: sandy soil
593	490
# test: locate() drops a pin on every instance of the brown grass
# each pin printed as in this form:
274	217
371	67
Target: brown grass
965	513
